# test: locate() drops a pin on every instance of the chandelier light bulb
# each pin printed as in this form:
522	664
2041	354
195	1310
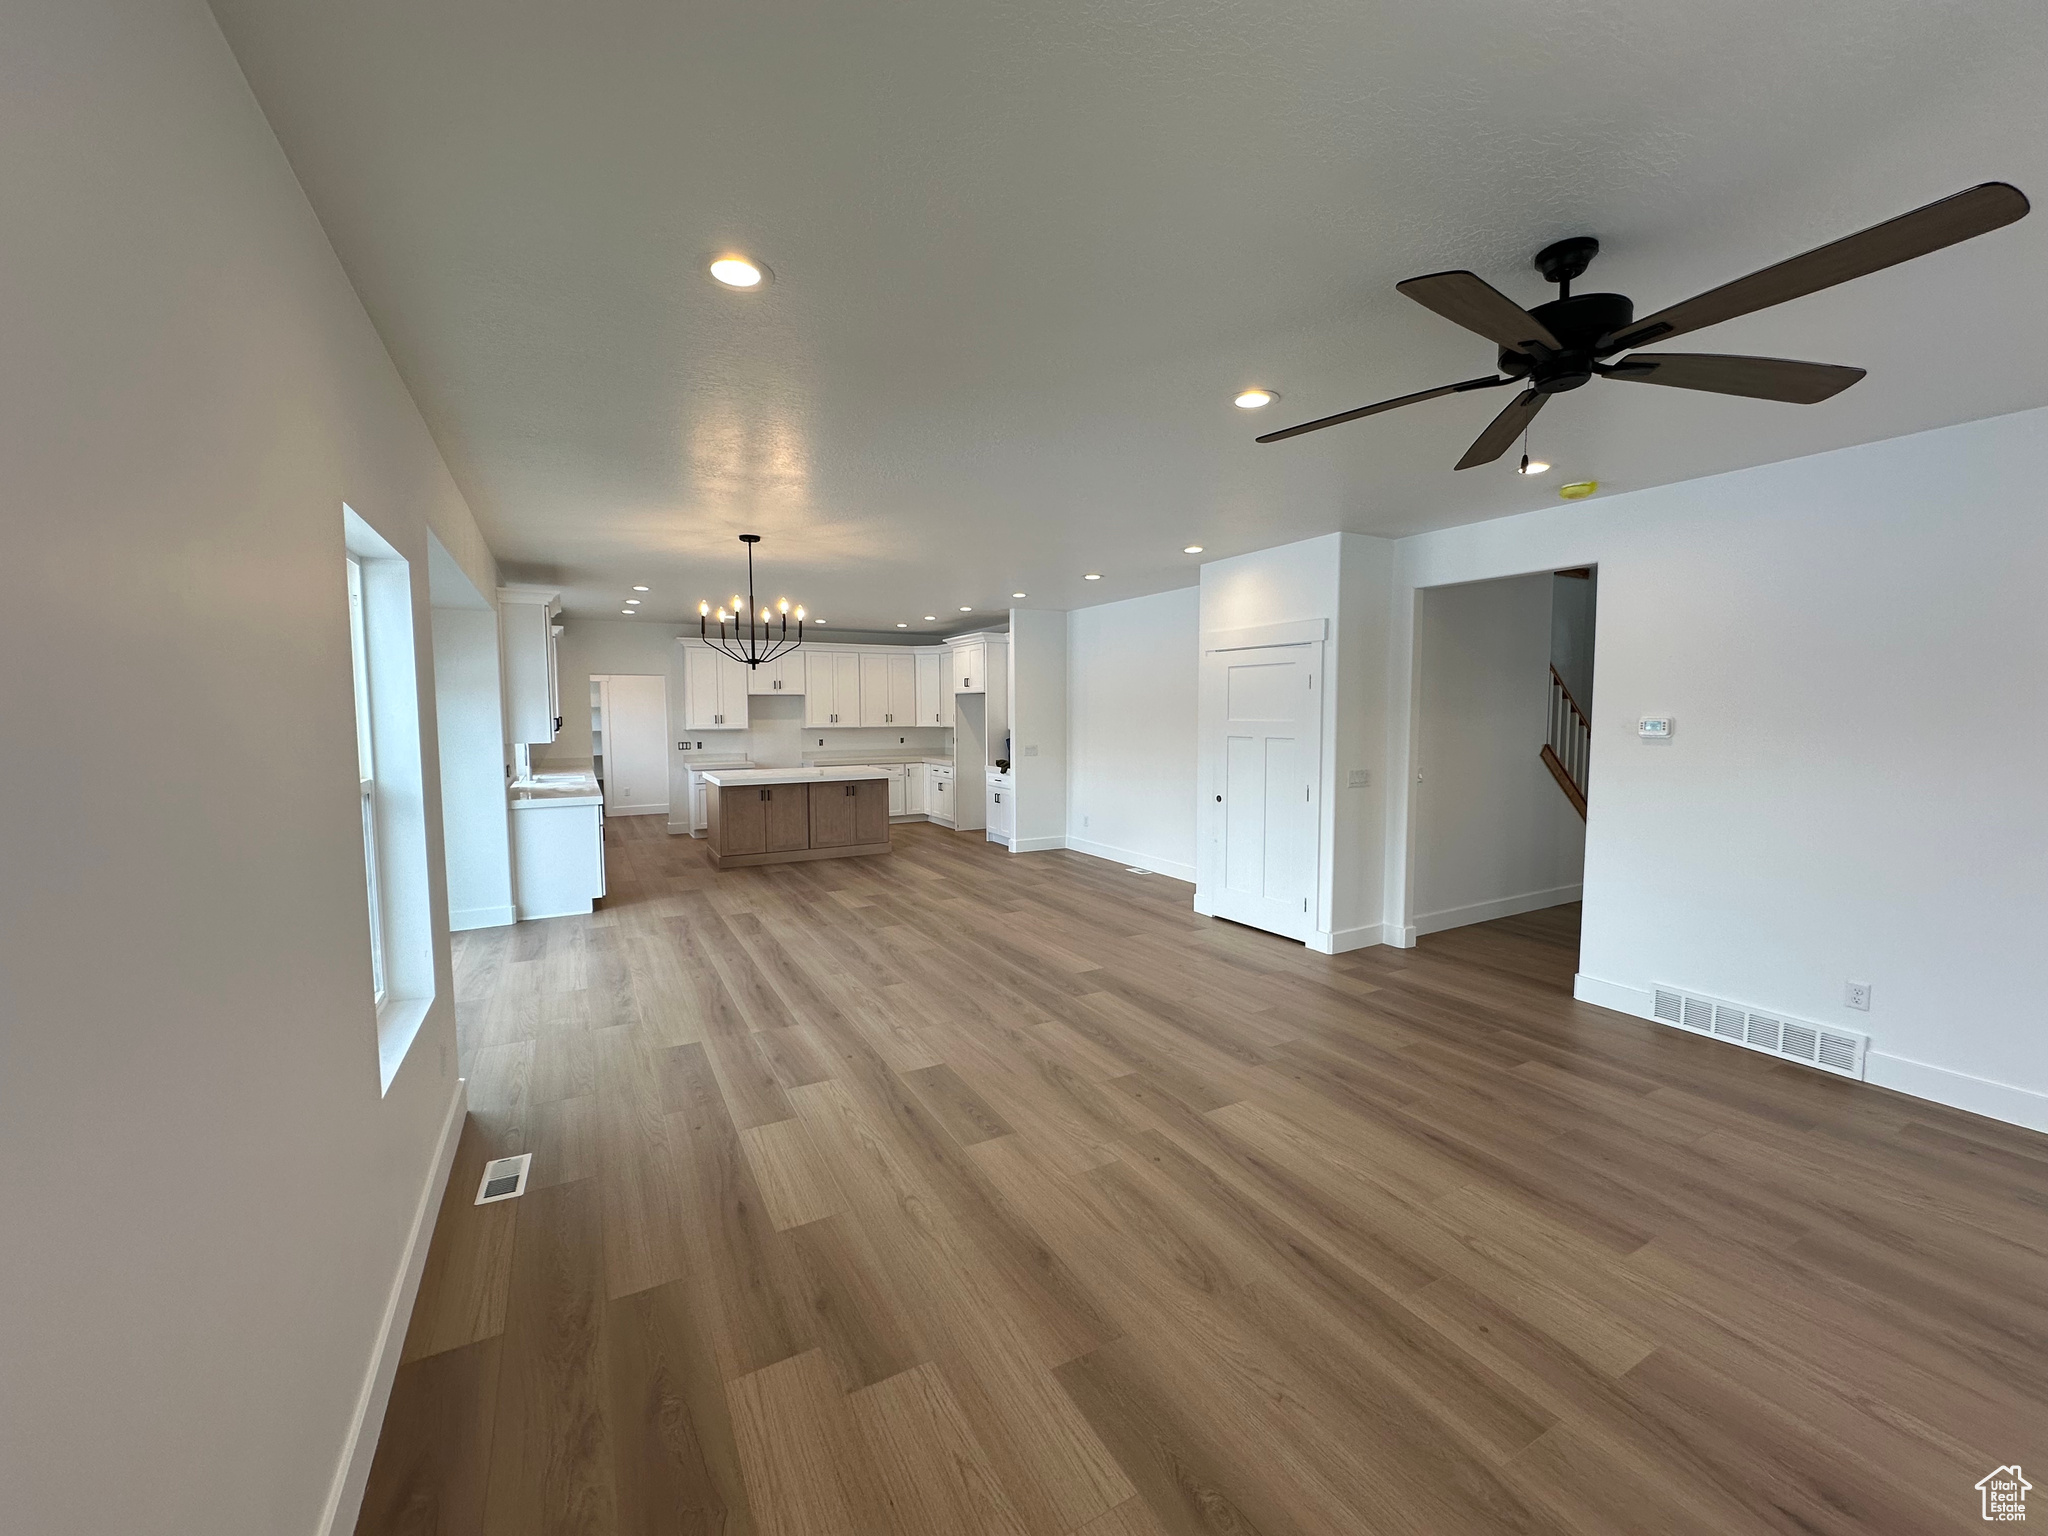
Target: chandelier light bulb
785	605
799	613
703	609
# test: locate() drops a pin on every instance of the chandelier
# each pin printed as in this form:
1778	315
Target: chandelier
753	640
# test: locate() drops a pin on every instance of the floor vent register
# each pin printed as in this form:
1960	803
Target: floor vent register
504	1178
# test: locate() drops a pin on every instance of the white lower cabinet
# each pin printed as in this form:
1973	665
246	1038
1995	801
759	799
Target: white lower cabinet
557	859
915	786
1002	808
939	793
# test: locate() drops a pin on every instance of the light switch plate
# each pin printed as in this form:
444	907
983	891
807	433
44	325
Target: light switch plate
1361	778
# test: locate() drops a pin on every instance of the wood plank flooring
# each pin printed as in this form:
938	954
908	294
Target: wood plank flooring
953	1192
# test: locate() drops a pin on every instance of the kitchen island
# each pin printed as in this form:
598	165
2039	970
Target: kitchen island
780	815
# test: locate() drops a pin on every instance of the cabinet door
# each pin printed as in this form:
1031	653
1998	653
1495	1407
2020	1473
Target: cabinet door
818	694
946	671
763	679
927	687
902	672
700	688
788	813
739	819
914	784
834	814
732	694
941	802
871	811
899	793
874	690
846	688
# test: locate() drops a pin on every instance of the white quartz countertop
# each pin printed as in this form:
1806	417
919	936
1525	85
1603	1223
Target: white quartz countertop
754	776
554	789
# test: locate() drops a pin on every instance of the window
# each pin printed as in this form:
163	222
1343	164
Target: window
384	666
366	772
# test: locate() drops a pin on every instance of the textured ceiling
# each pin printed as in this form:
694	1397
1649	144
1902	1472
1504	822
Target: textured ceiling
1025	254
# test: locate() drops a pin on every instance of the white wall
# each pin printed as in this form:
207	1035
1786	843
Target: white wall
1854	650
1131	670
1347	579
1038	727
188	394
471	722
1493	833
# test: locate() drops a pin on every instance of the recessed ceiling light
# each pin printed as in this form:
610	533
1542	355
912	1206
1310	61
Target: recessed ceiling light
1255	399
965	609
931	618
740	272
632	602
1020	594
639	589
903	626
628	613
1534	466
1191	549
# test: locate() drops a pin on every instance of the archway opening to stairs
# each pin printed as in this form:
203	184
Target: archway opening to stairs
1503	752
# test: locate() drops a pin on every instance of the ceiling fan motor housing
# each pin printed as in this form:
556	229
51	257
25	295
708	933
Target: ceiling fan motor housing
1578	323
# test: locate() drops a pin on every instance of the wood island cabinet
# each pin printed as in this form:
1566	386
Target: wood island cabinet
756	823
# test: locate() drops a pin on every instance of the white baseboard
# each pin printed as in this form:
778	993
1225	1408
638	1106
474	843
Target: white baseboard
1917	1079
1035	844
1487	911
660	808
1173	869
359	1449
482	917
1340	940
1612	994
1958	1090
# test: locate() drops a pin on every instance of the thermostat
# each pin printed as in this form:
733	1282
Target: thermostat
1654	727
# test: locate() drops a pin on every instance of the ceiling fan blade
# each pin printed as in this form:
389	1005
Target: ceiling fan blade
1975	212
1384	405
1500	435
1720	373
1466	299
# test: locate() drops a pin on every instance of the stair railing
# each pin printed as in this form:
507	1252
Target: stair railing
1568	743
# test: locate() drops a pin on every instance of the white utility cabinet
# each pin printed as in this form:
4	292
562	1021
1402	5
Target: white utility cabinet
527	632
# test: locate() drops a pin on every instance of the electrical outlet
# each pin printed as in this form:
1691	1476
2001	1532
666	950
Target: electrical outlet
682	746
1084	823
1361	778
1857	995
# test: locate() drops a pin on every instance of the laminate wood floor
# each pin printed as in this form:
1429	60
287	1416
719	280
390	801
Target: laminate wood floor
952	1192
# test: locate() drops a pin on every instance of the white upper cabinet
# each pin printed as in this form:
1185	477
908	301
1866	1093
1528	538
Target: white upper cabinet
970	666
832	690
785	674
526	633
714	691
933	684
888	689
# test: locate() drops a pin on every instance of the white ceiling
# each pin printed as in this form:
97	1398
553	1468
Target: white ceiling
1026	253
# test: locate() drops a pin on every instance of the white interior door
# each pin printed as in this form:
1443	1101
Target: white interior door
1263	761
635	745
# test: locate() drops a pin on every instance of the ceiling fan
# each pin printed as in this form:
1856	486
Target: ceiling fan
1565	343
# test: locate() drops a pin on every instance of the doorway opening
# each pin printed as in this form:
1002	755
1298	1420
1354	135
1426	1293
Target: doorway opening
629	742
1503	733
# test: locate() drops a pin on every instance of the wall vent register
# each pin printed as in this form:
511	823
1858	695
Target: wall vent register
1814	1045
504	1178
